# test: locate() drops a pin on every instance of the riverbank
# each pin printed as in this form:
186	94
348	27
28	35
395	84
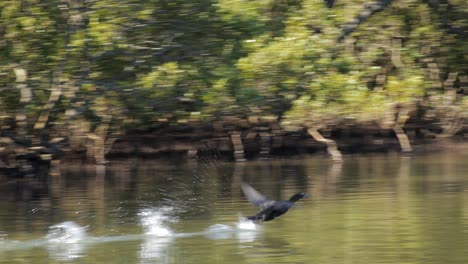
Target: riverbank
261	143
235	140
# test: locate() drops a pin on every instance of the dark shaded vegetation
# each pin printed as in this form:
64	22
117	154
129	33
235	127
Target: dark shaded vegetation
247	78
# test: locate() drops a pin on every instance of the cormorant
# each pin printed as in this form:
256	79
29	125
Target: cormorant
270	208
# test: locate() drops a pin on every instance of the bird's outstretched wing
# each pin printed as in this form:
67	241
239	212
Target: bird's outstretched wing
255	197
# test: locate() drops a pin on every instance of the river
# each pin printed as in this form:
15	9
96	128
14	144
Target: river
368	209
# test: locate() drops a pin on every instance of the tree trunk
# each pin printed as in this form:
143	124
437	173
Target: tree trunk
236	140
395	53
400	133
265	145
44	117
25	99
97	149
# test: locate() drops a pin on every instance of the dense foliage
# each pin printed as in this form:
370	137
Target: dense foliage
108	66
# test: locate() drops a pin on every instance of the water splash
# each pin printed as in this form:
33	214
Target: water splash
66	241
245	224
219	231
157	235
244	230
154	221
66	232
3	236
247	231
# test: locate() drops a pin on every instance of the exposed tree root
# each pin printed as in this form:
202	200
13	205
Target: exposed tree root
332	149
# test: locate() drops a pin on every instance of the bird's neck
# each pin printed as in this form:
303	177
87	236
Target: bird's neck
294	199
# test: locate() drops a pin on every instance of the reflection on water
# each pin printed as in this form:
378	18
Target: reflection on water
379	209
154	250
247	231
157	235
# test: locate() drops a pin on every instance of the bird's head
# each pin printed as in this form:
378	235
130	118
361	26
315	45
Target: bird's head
298	196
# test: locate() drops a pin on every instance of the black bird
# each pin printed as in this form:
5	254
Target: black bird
270	208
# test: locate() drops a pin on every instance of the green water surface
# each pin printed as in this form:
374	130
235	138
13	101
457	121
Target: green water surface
369	209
